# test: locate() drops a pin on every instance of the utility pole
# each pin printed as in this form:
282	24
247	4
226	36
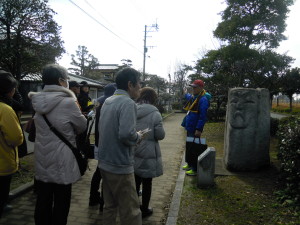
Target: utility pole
151	28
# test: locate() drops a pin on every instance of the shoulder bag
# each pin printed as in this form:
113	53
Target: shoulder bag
80	157
30	129
193	150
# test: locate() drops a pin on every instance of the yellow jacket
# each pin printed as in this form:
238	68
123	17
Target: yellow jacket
11	136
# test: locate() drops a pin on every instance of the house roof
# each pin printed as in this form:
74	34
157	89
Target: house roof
32	77
91	82
78	78
108	67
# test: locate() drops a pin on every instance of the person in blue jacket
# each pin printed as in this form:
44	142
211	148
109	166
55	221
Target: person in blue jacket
196	107
95	197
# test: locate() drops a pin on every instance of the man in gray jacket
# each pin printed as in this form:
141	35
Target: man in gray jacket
117	138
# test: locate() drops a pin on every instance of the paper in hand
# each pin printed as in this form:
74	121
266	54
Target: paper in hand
145	131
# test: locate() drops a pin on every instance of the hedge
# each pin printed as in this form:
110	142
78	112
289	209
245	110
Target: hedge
289	157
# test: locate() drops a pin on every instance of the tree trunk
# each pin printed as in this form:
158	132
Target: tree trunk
18	57
291	103
271	100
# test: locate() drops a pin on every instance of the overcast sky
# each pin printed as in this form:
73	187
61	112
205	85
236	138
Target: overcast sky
116	31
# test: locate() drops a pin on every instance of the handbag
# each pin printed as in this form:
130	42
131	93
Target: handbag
22	149
193	150
30	129
90	152
83	141
81	159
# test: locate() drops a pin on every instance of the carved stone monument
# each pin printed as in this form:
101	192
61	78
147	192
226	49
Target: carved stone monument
247	129
206	168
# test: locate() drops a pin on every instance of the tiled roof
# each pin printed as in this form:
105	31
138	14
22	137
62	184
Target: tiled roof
32	77
91	82
78	78
108	67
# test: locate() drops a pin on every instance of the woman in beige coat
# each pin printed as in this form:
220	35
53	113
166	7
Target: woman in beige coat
56	168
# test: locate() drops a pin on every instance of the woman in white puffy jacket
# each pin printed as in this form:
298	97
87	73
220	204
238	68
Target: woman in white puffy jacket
56	168
147	160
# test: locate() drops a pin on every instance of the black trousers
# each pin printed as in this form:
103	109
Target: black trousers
146	189
95	185
4	191
52	204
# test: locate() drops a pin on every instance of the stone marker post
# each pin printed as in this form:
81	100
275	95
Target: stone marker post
247	129
206	168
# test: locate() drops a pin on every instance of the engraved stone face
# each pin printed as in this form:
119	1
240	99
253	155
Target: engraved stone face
242	108
247	133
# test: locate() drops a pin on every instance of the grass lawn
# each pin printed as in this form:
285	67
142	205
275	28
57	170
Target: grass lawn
244	199
285	108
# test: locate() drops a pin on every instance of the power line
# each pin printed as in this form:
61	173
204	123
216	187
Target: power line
211	39
98	12
91	6
105	26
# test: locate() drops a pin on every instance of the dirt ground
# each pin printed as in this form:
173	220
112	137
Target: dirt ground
25	173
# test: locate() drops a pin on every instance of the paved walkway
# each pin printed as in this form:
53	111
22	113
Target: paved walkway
278	115
82	214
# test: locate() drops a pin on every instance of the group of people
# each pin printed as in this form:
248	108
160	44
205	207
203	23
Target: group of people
128	128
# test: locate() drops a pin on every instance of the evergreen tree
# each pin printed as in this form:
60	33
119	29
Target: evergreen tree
290	84
256	22
84	62
251	30
29	37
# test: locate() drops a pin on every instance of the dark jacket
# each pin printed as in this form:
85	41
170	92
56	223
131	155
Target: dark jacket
109	90
83	99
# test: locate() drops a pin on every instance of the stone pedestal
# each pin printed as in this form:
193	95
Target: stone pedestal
247	129
206	168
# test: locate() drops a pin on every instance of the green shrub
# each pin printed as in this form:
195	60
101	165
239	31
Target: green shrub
289	157
160	108
177	105
216	115
295	111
